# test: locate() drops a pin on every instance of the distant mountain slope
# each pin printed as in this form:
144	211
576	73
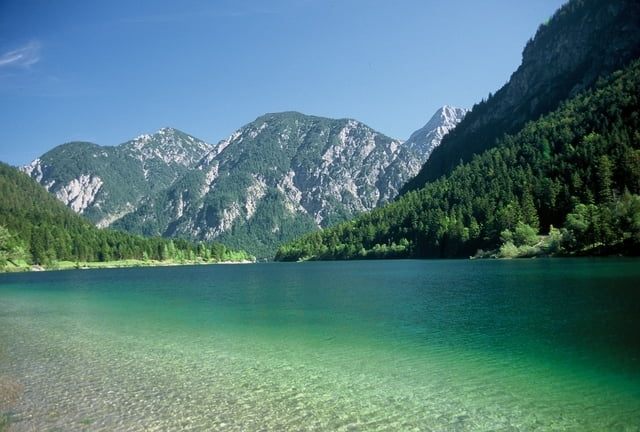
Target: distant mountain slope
577	168
284	175
104	183
37	228
585	39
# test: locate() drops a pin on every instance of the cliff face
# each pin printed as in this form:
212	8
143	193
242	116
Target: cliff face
584	40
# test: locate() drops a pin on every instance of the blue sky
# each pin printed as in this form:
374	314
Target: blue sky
108	71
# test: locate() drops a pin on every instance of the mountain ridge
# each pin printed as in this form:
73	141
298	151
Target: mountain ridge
303	171
584	40
105	182
281	175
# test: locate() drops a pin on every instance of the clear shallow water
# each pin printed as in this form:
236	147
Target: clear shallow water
520	345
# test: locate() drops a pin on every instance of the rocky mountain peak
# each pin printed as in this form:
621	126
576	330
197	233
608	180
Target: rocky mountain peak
427	138
106	182
169	145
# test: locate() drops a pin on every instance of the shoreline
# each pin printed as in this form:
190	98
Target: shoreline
72	265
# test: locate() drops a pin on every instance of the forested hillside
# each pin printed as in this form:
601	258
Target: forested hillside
38	229
577	168
585	39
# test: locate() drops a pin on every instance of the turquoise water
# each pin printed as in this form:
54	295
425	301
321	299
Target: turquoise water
523	345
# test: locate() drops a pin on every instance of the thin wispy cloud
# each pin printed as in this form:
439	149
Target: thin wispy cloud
23	56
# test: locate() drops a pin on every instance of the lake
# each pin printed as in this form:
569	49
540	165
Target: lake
466	345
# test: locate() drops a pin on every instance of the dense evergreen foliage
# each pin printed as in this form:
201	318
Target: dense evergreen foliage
577	168
585	39
37	228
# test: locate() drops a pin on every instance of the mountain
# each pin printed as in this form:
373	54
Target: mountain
584	40
577	167
284	175
36	228
428	137
104	183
